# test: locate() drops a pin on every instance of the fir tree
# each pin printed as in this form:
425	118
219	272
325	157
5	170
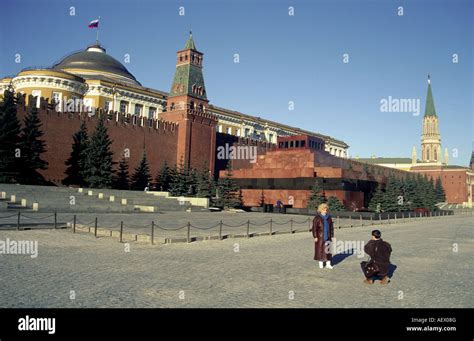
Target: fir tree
31	148
335	205
229	193
410	191
205	183
179	180
192	176
317	196
9	138
141	176
98	170
377	203
429	193
163	178
418	192
393	197
76	162
121	179
440	194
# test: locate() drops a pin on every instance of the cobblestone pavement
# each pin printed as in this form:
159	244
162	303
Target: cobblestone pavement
271	271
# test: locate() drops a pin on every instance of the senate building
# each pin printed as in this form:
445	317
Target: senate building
101	81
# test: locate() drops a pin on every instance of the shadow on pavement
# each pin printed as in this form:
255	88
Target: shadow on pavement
339	258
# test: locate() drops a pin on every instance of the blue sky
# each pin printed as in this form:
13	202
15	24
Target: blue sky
282	58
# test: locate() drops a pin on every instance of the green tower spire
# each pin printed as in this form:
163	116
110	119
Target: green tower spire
430	107
188	78
190	43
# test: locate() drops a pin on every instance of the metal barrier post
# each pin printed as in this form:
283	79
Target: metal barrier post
152	231
188	237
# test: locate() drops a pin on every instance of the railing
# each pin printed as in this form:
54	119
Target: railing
151	232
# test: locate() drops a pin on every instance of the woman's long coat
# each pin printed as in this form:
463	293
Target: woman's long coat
318	232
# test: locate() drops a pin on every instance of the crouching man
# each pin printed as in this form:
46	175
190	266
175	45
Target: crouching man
379	252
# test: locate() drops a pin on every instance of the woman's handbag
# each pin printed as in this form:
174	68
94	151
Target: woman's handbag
369	268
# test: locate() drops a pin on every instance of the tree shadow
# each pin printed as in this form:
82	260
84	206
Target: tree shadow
340	257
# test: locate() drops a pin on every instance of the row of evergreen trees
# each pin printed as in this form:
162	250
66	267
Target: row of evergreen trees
90	165
20	147
180	180
415	191
318	197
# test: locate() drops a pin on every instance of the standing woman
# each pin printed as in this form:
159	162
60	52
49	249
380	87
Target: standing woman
323	232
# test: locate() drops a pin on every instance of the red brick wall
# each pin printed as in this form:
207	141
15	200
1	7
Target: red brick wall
196	141
202	142
454	184
59	128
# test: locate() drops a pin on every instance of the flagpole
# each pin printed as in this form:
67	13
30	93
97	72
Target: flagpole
97	38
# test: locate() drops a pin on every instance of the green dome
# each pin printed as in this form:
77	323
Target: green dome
95	61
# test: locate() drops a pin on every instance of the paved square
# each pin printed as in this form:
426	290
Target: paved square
270	271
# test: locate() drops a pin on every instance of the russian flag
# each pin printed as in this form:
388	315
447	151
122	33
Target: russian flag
94	23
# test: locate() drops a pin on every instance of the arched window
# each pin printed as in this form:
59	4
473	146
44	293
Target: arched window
172	106
428	154
435	154
191	105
